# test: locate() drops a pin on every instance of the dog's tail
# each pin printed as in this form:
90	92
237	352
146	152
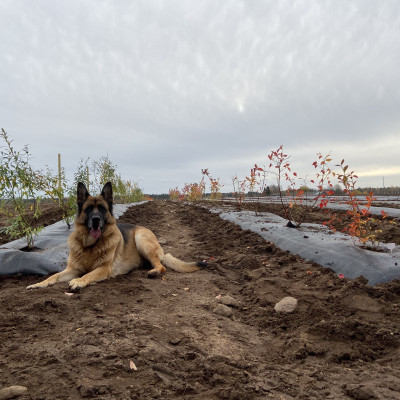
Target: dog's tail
170	261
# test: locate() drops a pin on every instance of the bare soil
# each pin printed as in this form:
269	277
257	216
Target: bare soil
341	342
386	204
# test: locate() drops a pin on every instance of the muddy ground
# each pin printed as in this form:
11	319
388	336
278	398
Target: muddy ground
341	342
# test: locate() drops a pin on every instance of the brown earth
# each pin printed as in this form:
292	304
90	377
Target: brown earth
341	342
386	204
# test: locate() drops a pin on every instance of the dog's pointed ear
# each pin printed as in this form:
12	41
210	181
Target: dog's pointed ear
81	195
107	193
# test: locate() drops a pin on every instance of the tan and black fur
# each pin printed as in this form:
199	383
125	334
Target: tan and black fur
100	248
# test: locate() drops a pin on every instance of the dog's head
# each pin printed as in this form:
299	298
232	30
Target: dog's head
94	212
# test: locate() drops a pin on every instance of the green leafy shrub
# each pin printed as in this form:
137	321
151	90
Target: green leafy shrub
20	191
56	188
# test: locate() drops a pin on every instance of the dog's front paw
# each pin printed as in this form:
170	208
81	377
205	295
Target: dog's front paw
36	286
76	284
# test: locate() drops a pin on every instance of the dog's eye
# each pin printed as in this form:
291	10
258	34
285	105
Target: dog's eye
89	209
101	208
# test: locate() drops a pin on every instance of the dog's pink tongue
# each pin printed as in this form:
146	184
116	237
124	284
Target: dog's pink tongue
95	233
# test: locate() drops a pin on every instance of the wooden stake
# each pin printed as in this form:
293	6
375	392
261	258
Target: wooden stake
59	171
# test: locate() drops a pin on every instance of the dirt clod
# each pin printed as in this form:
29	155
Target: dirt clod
12	392
229	301
223	310
359	392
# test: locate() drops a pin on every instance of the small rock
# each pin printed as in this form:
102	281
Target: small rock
11	392
286	305
229	301
163	242
223	310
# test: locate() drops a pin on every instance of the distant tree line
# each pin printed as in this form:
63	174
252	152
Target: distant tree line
272	190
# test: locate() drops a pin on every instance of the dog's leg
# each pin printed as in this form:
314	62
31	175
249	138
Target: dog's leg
63	276
158	268
97	275
149	248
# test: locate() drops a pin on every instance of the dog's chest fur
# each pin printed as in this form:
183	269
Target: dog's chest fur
89	256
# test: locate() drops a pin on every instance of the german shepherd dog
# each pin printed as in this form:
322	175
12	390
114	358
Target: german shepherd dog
100	248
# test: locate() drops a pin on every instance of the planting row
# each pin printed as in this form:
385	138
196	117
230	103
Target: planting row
296	198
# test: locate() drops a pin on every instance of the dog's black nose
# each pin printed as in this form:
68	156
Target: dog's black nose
95	222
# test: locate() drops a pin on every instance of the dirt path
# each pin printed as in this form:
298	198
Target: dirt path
342	341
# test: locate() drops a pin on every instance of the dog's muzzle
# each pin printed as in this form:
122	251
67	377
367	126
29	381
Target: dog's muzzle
95	230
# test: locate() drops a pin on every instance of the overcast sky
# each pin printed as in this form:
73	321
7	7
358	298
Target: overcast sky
166	88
